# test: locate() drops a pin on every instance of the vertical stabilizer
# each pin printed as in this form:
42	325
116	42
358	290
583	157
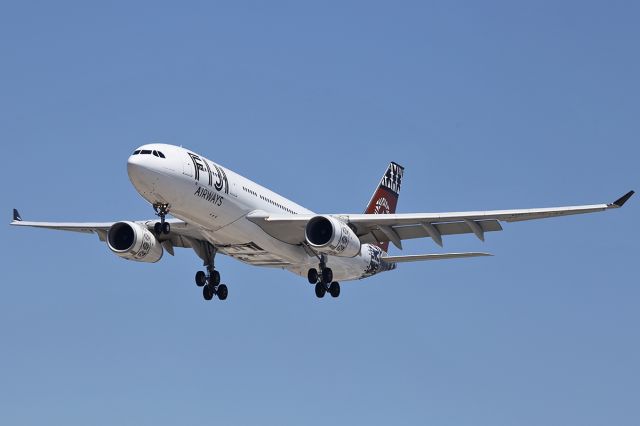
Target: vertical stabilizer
385	197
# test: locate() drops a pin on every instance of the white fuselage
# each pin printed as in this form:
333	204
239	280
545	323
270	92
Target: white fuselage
217	200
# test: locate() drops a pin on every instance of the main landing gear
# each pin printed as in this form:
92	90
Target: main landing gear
210	281
161	227
323	280
333	289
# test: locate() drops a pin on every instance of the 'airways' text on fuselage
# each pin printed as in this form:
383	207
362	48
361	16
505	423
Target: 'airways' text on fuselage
210	196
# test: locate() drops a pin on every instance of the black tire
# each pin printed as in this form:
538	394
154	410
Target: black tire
327	275
166	228
215	278
334	289
157	228
201	278
320	290
207	292
312	276
223	292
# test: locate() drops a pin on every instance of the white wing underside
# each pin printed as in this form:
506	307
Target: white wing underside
182	234
373	228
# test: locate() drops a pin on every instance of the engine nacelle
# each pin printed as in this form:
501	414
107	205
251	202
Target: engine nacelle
133	241
329	235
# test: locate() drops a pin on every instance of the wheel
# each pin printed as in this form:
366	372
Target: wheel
215	278
320	290
201	278
327	275
207	292
312	275
166	227
157	228
334	289
223	292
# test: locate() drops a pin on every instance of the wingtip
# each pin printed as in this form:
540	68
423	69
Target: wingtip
620	201
16	216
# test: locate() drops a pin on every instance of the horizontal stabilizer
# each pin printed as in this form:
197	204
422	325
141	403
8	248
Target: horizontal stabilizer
437	256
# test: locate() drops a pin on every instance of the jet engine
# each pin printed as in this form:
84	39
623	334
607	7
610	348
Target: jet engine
329	235
133	241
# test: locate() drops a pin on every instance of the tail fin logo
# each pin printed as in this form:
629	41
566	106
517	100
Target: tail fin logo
392	179
382	206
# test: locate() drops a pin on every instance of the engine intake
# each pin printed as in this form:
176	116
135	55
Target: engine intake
329	235
133	241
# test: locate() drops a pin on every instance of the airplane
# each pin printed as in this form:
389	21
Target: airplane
219	211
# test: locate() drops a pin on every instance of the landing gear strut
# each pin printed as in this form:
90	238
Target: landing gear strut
161	227
210	281
323	280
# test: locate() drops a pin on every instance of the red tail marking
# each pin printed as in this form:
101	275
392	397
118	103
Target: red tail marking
385	199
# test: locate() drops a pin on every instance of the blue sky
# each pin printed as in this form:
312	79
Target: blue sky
492	105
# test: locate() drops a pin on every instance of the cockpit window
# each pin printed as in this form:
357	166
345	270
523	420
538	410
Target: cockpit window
148	152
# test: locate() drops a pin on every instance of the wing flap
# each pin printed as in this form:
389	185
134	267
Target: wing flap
408	232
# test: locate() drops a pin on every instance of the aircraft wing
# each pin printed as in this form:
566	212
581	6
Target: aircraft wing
182	234
373	228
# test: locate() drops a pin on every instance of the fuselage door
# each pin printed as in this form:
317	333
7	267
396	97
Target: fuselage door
187	166
233	189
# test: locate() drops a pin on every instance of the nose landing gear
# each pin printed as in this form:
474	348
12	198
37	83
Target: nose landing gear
161	227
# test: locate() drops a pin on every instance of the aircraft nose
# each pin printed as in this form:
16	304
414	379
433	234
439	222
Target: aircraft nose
134	168
140	171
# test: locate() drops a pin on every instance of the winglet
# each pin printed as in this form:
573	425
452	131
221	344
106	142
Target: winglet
620	201
16	216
